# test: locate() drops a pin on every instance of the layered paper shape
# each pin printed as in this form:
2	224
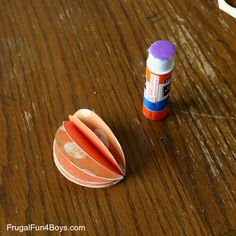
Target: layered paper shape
86	151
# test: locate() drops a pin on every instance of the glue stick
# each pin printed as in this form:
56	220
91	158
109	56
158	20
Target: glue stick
159	68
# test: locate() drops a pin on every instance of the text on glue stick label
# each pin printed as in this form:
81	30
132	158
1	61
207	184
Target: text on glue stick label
151	88
157	87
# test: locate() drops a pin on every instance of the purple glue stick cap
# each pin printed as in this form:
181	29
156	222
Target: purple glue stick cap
162	50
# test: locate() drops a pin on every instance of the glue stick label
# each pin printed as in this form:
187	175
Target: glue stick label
159	67
157	87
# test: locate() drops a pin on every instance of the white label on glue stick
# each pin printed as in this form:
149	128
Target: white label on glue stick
155	92
151	88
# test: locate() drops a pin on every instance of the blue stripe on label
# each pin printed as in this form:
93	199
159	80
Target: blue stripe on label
155	106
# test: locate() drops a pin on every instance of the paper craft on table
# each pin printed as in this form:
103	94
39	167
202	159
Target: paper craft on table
226	7
86	151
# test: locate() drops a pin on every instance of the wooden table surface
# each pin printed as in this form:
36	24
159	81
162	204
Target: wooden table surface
58	56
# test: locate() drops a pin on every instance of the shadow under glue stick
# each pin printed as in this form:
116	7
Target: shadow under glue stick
159	67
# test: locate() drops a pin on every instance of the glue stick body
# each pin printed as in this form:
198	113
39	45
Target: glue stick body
159	67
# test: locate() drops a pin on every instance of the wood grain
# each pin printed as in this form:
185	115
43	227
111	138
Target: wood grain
58	56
